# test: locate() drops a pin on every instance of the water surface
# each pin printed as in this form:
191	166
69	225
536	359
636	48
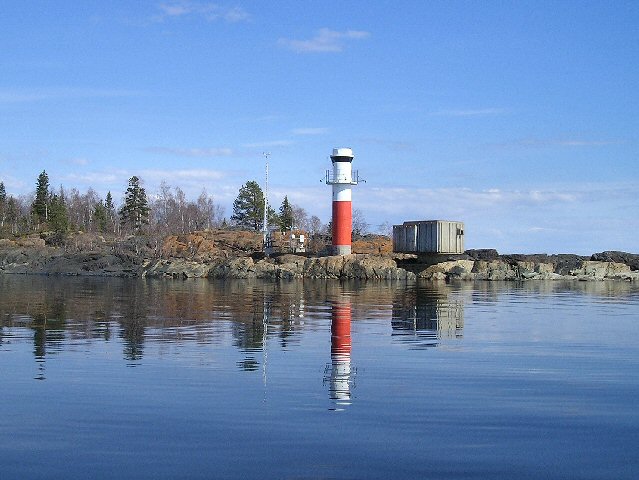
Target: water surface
105	378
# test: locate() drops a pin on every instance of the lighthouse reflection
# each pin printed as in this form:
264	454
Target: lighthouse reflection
339	373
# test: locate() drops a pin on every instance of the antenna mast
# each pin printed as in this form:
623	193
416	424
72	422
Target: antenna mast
265	222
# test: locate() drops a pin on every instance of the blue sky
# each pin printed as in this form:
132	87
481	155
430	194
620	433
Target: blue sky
518	118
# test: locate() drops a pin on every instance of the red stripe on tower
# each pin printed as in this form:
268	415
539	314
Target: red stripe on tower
342	178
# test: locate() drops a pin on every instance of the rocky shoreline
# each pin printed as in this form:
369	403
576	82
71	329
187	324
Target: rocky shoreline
186	258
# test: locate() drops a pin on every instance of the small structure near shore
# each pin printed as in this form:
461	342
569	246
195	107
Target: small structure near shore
429	236
285	242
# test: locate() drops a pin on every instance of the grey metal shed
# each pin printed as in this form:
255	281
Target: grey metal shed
429	236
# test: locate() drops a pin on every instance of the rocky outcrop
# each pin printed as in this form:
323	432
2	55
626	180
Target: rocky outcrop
227	254
492	270
630	259
283	267
55	261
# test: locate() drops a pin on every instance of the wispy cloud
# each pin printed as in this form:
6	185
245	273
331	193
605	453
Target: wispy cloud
269	143
462	200
95	178
326	40
206	10
309	131
478	112
36	95
390	144
193	152
187	175
555	142
78	161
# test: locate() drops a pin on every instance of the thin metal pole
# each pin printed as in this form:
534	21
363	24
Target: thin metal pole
265	222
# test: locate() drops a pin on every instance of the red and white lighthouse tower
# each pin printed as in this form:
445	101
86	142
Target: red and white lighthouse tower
342	178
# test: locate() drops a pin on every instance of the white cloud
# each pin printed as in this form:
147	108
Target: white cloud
193	152
326	40
309	131
209	11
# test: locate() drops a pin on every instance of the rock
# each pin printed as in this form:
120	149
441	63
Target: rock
483	254
177	268
630	259
456	269
592	270
494	270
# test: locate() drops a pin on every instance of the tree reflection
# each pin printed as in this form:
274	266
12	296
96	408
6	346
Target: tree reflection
134	322
48	325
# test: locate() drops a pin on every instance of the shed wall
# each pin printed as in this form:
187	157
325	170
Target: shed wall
432	236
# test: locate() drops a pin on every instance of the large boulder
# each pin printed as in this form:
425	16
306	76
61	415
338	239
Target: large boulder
455	269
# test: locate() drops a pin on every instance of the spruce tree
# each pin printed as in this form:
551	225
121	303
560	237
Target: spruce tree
58	217
135	211
286	215
248	207
110	211
40	207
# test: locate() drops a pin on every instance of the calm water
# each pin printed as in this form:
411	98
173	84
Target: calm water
104	378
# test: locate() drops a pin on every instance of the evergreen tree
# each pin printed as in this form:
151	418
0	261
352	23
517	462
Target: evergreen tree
12	214
248	207
40	207
286	215
58	218
108	202
100	215
135	211
110	211
3	204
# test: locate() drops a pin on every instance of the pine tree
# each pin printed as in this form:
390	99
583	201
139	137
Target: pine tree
286	215
135	211
248	207
40	207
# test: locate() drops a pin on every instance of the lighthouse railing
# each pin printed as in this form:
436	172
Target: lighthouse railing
332	179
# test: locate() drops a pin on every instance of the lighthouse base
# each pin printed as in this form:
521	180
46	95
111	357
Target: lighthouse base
341	249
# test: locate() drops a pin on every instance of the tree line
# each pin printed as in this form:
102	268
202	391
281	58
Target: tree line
61	211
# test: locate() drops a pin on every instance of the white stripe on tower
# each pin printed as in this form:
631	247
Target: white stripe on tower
342	200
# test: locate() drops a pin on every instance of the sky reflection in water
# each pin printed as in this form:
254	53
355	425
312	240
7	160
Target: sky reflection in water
199	379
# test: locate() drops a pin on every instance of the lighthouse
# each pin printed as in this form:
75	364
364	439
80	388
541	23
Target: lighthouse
342	177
